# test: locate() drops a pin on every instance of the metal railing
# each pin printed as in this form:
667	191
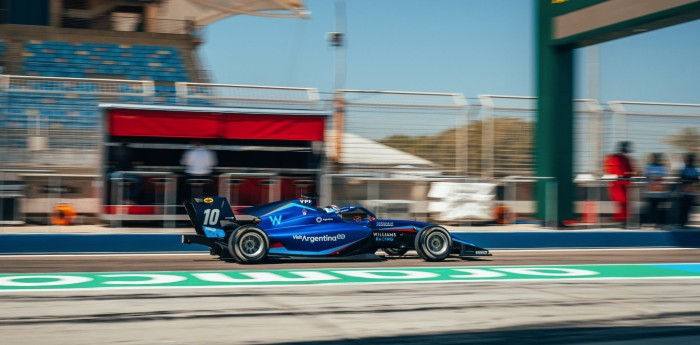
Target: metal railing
165	191
394	136
419	132
669	128
50	121
231	95
61	85
127	22
507	133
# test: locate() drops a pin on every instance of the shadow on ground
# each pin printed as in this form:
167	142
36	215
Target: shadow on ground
539	336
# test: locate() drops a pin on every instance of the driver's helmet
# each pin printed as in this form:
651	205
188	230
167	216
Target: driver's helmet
331	209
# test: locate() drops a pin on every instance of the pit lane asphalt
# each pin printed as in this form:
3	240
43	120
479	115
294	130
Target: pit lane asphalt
620	312
189	262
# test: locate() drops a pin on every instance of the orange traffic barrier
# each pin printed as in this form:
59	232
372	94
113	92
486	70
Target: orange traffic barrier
63	214
502	214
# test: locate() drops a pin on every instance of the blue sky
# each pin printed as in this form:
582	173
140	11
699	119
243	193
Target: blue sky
471	47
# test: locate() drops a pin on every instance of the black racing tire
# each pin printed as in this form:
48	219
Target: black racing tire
395	251
433	243
248	245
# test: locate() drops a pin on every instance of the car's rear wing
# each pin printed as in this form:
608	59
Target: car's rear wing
209	212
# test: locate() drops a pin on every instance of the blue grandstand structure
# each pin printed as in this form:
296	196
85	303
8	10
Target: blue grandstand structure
59	60
76	75
113	61
53	79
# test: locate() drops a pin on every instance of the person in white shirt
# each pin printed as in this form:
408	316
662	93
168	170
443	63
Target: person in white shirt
199	163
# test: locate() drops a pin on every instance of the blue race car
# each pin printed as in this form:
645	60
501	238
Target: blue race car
297	228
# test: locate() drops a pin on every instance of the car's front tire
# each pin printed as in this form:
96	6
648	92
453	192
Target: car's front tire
433	243
248	245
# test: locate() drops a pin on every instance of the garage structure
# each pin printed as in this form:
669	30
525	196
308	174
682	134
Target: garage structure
563	26
263	155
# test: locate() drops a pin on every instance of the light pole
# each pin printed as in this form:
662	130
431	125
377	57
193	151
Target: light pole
337	41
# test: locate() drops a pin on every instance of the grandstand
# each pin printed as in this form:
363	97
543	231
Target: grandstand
56	72
100	60
61	60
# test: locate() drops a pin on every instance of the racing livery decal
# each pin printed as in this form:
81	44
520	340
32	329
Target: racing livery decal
292	228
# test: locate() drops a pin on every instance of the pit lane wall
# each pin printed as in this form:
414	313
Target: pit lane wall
169	243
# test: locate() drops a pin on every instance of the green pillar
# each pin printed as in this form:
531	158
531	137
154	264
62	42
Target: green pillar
554	134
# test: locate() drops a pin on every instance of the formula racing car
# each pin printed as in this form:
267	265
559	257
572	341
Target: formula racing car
297	228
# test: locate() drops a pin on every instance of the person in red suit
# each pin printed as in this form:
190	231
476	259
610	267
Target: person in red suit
621	165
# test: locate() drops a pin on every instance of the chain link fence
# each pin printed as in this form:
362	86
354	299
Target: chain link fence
410	132
507	134
48	121
394	146
672	129
247	96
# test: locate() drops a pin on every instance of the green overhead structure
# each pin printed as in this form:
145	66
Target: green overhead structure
562	26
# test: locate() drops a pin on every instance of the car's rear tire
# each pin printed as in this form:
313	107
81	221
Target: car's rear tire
433	243
248	245
395	251
231	227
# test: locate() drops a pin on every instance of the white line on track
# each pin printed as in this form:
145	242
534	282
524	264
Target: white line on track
284	286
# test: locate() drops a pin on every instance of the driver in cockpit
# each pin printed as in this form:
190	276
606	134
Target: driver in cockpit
331	209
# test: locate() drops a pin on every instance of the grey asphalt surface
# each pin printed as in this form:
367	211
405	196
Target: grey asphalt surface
544	312
187	262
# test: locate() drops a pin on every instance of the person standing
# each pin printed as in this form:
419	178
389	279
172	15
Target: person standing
656	191
122	158
620	165
199	163
688	189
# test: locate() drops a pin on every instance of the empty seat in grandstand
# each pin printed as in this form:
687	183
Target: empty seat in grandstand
57	104
117	61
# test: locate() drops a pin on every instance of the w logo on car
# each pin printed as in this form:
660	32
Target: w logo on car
276	220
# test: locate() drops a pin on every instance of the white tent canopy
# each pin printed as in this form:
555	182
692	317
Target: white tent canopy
204	12
359	151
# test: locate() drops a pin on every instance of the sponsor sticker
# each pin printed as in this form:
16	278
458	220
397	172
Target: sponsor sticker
276	220
384	236
324	238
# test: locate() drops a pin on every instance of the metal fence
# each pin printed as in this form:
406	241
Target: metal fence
395	144
668	128
405	131
48	121
507	134
431	133
229	95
